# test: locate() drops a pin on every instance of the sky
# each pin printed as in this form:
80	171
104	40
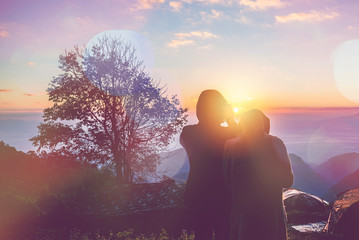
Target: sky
264	53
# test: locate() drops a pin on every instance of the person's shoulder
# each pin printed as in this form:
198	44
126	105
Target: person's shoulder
188	130
277	143
189	127
275	139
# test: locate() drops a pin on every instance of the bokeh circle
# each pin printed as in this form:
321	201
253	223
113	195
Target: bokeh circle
346	69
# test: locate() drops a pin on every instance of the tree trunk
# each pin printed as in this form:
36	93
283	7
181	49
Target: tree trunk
119	171
127	172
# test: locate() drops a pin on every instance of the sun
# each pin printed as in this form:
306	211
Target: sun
235	109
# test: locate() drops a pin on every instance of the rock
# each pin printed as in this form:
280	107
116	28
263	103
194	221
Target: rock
303	208
311	227
344	216
298	200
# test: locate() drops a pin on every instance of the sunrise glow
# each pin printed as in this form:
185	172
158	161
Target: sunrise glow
248	50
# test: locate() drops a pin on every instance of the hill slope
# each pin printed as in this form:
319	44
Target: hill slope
306	179
338	167
347	183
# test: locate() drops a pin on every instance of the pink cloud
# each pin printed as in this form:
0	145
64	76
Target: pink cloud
176	6
202	35
29	94
5	90
4	33
7	104
224	2
184	39
262	4
178	43
312	16
147	4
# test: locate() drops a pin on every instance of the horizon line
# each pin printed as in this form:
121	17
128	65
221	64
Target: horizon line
316	108
40	110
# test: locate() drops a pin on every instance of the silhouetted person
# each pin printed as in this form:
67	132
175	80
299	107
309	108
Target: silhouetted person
256	168
204	143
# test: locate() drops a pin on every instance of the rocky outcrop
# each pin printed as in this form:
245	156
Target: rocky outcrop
344	216
298	200
304	208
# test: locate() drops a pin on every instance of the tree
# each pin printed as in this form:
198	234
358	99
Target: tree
107	110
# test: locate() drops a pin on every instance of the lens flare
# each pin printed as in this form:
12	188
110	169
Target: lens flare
143	47
346	69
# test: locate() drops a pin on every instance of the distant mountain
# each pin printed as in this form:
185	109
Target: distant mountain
306	179
347	183
175	164
338	167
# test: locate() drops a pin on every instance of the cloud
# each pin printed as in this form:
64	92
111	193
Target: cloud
182	35
82	21
29	94
242	19
216	14
202	35
31	63
183	39
147	4
176	6
209	1
7	104
208	16
178	43
312	16
209	46
5	90
3	32
262	4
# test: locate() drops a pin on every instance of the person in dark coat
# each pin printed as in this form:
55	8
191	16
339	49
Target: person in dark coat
204	143
256	169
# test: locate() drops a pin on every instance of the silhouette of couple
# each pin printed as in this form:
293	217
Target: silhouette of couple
234	187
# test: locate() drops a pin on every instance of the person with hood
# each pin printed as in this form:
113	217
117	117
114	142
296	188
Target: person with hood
256	169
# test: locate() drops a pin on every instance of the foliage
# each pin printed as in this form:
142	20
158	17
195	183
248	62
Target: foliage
108	111
34	188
